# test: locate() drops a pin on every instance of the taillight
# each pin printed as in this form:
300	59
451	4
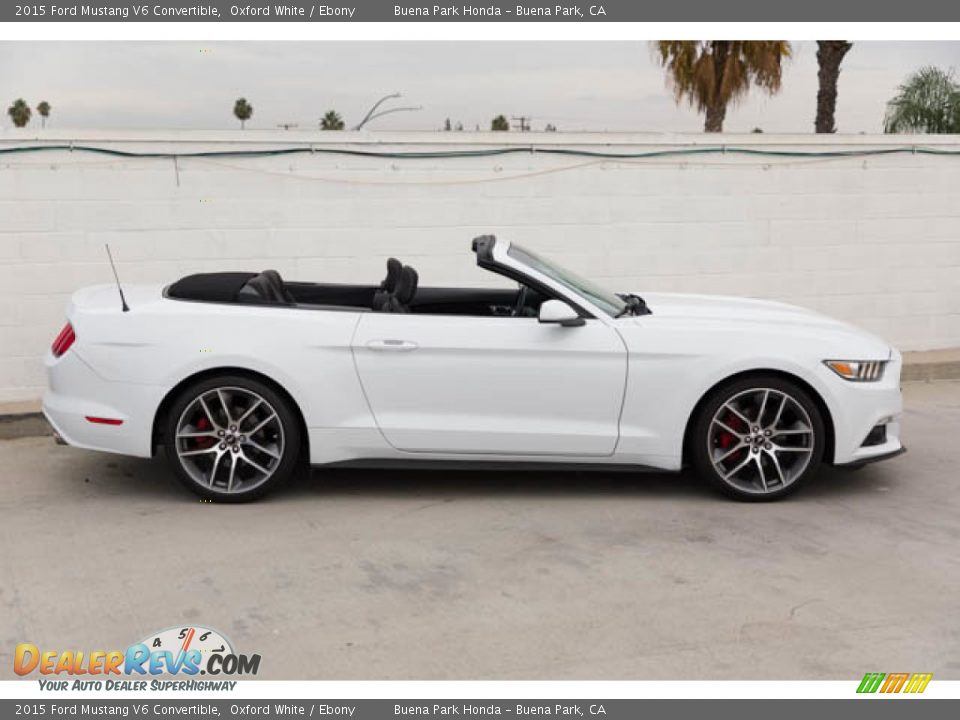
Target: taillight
64	340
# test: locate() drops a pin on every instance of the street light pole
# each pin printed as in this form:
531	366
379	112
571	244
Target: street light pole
393	110
372	113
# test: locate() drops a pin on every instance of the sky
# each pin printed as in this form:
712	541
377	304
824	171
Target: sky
615	86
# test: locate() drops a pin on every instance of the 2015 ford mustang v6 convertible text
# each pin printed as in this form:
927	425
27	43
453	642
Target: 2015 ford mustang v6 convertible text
243	377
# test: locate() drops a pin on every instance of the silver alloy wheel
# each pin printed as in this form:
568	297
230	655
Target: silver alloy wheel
229	439
760	440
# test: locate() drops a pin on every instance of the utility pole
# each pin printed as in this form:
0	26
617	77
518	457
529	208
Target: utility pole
522	123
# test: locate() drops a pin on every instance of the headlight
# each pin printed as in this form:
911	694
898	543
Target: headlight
857	370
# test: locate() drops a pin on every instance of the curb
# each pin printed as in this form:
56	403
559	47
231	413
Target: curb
33	424
21	425
925	372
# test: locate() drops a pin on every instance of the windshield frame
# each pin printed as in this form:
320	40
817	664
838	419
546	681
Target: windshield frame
599	297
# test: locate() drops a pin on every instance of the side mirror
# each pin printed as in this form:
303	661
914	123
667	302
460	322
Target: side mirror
557	312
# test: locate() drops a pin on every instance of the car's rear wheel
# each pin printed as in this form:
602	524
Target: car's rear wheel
232	438
758	438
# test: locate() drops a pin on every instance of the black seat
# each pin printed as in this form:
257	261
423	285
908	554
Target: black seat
400	299
389	284
267	287
277	287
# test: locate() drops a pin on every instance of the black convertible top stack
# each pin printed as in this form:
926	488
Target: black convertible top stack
210	287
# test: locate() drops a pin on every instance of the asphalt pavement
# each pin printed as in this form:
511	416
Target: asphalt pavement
499	575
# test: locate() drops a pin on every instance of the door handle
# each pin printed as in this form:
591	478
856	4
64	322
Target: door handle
390	344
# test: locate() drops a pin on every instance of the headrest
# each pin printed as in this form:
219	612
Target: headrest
278	291
394	267
262	291
406	285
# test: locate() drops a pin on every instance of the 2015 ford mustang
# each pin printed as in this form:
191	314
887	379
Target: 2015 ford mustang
243	377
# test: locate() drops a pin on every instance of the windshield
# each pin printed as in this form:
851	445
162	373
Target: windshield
607	301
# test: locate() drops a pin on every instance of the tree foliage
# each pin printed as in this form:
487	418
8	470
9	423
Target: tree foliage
331	121
20	112
43	109
927	102
243	111
499	124
712	74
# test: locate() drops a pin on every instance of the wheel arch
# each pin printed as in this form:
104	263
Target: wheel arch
817	398
159	417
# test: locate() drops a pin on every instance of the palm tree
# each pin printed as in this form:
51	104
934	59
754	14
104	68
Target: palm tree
331	121
499	124
43	109
711	74
19	112
928	102
829	56
243	111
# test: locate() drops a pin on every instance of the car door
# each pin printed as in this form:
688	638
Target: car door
492	385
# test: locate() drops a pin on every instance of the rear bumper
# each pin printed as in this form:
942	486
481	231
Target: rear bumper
75	393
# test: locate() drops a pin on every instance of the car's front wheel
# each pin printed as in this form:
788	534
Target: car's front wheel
758	438
232	438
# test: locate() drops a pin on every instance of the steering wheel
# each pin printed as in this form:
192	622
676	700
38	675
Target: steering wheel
518	311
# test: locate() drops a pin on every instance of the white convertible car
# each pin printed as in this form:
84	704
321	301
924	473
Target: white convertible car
243	377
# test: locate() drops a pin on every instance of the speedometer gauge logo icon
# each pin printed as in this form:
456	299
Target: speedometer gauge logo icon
182	639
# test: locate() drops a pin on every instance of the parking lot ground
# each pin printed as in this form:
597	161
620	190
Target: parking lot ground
507	575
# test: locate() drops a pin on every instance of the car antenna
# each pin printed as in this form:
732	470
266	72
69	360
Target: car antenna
123	300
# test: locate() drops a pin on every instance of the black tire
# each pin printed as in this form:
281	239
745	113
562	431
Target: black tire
279	441
760	455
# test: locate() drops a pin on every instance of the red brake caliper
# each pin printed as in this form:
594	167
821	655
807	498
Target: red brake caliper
204	442
727	440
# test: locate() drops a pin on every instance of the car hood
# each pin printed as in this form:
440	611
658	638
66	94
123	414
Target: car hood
727	307
766	315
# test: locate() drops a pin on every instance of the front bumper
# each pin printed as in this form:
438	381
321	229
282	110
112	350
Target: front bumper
873	459
857	408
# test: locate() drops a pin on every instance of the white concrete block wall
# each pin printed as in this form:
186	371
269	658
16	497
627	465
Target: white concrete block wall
873	240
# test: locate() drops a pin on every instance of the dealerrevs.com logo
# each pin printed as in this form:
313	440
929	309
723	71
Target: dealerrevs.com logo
888	683
189	651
